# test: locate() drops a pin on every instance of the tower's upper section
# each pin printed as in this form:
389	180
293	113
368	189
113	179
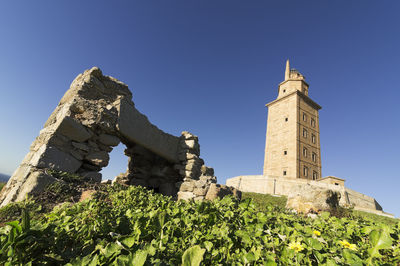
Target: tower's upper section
294	81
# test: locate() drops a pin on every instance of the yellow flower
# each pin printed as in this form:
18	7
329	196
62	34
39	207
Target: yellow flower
346	244
296	246
317	233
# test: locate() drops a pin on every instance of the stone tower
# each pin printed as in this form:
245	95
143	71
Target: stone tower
292	147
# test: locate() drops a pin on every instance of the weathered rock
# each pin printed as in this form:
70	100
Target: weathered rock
200	183
187	186
99	158
122	179
51	157
109	140
93	116
149	136
74	130
81	146
76	154
185	195
91	167
35	183
207	171
220	191
313	200
200	191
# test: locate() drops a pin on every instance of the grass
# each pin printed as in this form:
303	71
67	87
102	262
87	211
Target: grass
2	185
262	201
375	217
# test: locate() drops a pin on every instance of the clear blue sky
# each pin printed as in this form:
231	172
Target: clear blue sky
210	67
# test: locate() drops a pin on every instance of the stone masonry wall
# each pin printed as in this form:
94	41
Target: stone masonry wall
300	191
95	115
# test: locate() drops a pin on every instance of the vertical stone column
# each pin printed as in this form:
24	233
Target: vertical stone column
197	177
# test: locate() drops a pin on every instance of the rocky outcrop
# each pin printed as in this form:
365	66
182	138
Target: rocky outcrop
314	200
220	191
95	115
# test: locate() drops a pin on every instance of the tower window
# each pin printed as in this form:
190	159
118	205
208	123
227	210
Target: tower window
286	119
312	122
304	117
305	171
313	138
284	91
304	132
315	175
314	157
284	152
284	172
305	152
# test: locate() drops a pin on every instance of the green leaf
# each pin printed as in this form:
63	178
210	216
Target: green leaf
193	256
351	258
111	249
208	245
15	224
315	244
128	241
139	258
249	257
379	239
26	225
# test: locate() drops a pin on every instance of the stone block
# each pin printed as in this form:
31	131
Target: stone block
51	157
200	191
187	186
109	140
184	156
73	129
187	135
99	158
91	167
136	128
220	191
76	154
205	170
35	183
185	195
200	183
81	146
208	179
104	147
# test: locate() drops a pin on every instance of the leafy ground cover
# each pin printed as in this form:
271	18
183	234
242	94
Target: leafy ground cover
2	184
134	226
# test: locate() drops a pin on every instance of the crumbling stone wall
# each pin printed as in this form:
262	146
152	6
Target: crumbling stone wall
95	115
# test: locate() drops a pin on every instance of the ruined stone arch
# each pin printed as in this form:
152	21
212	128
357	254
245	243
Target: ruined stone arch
94	115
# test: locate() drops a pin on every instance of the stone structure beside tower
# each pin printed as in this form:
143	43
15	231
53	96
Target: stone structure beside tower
292	162
292	142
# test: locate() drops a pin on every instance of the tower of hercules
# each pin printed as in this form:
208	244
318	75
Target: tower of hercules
292	147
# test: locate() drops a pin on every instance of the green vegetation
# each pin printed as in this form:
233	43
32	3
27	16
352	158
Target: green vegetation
2	185
263	201
133	226
374	217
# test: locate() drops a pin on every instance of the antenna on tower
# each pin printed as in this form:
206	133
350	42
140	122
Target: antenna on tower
287	71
